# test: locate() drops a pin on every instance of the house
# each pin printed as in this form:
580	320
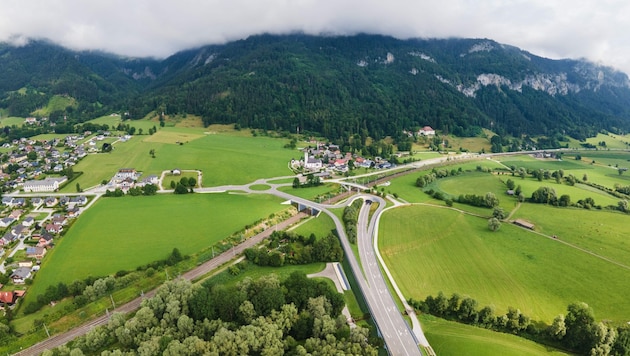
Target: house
35	252
28	264
8	201
152	179
20	275
50	201
7	298
426	131
4	222
28	221
44	185
45	239
8	237
79	200
30	120
54	229
73	212
37	202
59	219
15	214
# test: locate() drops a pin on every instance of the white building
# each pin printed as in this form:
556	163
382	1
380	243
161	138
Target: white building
311	163
44	185
426	131
125	173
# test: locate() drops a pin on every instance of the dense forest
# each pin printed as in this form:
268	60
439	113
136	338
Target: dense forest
339	87
264	316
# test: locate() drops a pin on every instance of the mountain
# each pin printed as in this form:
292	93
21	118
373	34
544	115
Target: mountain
340	87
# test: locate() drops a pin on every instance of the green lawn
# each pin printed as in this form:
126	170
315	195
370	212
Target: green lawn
123	233
223	158
450	338
311	193
321	226
431	249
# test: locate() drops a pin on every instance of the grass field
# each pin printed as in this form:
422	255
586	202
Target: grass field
123	233
449	338
12	120
223	158
432	249
321	226
56	103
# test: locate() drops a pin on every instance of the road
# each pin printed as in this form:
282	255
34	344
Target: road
398	337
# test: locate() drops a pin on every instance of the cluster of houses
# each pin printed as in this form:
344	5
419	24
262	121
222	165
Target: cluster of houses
327	159
127	178
30	159
19	226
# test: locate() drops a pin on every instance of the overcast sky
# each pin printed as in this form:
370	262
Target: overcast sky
596	30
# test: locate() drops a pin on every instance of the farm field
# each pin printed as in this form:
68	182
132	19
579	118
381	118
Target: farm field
123	233
603	232
223	158
432	249
480	183
449	338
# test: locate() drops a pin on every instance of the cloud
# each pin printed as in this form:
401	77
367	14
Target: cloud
556	29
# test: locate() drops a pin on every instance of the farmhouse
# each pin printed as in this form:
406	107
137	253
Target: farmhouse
44	185
523	223
426	131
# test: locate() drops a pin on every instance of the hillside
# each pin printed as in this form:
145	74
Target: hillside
364	85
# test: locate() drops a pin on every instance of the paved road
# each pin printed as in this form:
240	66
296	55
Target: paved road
397	335
399	338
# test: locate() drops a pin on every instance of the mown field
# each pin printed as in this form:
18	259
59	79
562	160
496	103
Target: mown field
448	338
431	249
123	233
223	158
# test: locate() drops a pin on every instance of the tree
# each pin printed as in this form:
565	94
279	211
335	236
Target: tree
565	200
579	322
296	182
79	190
491	200
558	329
192	182
622	205
510	184
152	153
107	147
494	224
173	184
585	177
499	213
180	189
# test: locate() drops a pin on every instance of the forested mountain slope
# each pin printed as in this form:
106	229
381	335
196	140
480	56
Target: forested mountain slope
366	85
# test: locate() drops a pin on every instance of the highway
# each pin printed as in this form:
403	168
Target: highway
398	337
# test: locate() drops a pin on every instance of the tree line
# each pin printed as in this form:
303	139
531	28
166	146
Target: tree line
576	331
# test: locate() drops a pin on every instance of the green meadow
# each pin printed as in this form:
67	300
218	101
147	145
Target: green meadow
124	233
223	158
321	226
448	338
431	249
12	120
